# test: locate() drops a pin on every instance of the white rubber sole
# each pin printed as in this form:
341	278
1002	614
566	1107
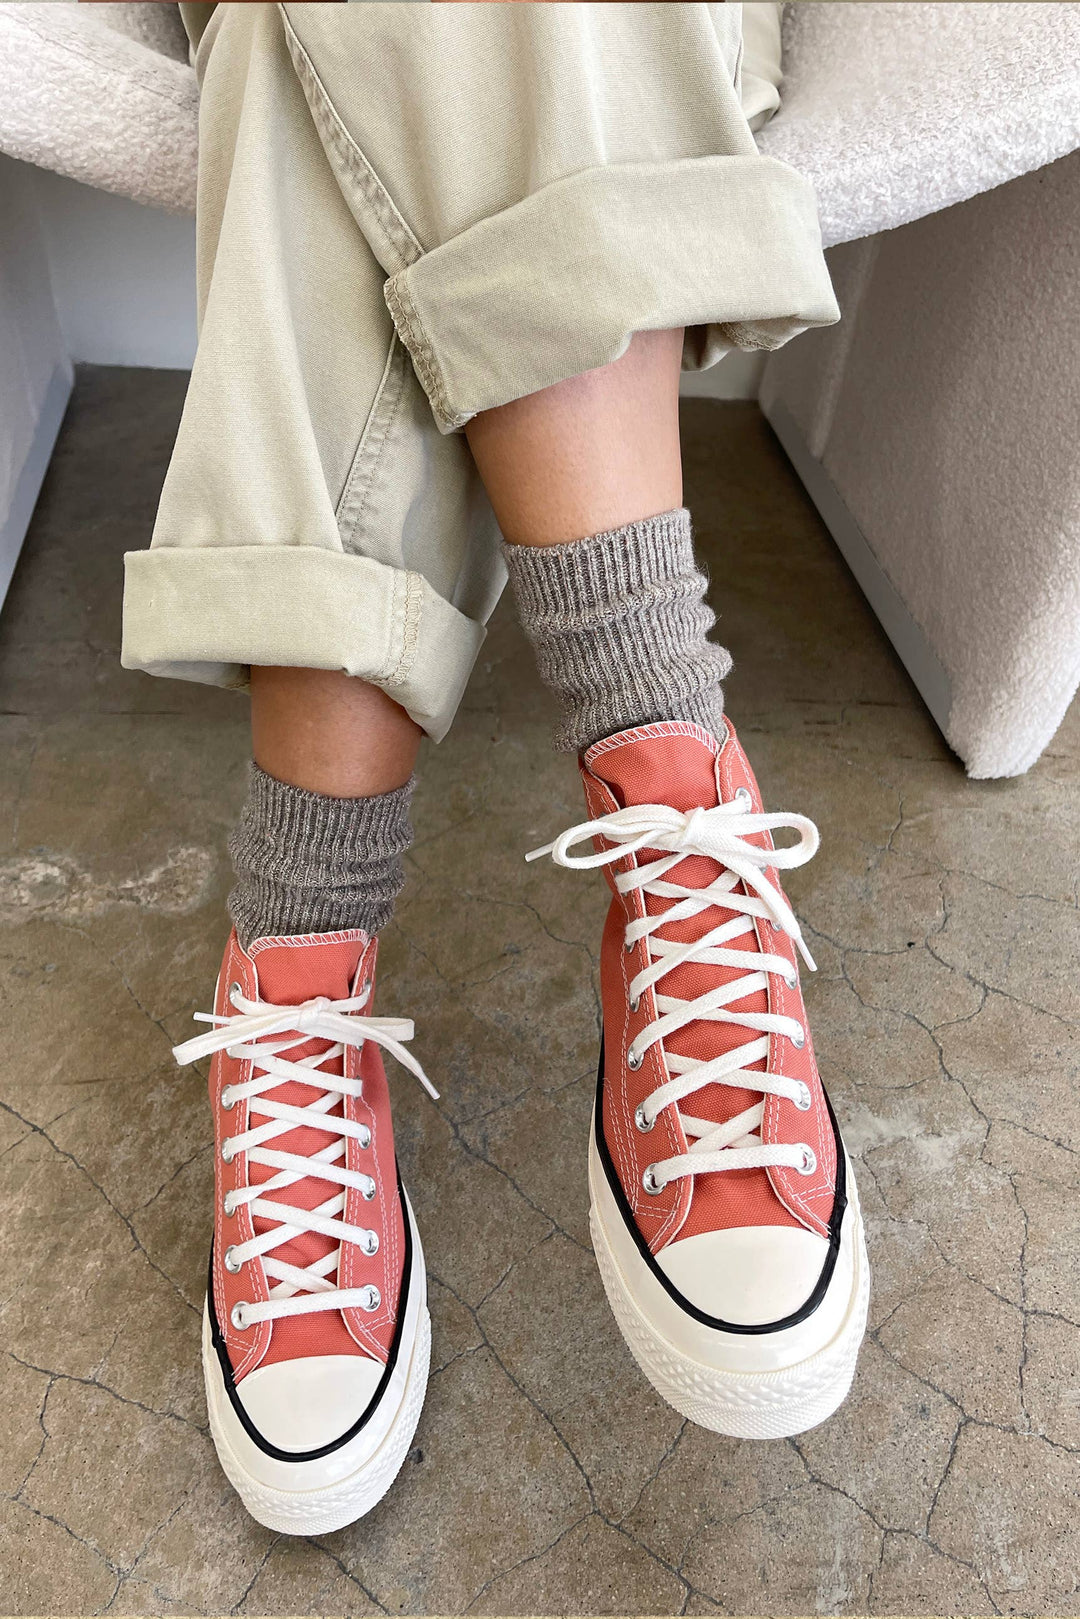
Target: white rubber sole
772	1403
335	1491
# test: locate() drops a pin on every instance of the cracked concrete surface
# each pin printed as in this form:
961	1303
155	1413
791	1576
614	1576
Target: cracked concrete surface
546	1477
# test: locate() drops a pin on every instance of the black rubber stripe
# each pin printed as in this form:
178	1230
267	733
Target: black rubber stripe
335	1444
835	1222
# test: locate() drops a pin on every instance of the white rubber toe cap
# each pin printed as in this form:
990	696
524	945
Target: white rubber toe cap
301	1405
750	1275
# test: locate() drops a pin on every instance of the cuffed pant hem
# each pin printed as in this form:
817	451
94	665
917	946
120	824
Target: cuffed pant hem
730	244
209	613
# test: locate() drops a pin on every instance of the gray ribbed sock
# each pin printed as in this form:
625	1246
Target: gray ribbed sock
306	863
620	626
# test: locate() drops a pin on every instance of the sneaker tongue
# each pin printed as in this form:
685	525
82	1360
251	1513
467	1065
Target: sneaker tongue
291	971
670	763
675	763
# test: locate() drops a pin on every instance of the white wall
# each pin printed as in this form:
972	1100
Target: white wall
35	374
123	275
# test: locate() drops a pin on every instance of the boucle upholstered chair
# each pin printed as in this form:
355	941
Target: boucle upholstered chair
936	427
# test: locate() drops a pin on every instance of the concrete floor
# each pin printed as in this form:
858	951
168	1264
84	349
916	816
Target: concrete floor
546	1478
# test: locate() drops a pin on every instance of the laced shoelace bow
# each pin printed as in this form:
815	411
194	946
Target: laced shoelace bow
247	1037
722	834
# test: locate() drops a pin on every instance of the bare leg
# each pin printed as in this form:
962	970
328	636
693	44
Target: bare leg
586	481
588	454
582	457
325	731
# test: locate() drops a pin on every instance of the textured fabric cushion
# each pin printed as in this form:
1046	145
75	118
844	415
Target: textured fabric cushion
896	110
108	103
157	26
893	110
944	413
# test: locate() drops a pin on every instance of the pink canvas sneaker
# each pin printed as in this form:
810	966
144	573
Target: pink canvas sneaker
724	1212
316	1336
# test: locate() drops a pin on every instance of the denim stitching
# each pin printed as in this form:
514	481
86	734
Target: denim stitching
410	633
405	318
336	136
372	442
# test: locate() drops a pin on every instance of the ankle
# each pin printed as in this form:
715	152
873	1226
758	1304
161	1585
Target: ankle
620	627
309	863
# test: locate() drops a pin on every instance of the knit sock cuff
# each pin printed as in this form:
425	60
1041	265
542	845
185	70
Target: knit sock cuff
309	863
620	627
599	575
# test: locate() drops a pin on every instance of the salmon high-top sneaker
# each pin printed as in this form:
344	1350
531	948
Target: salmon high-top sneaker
316	1335
724	1213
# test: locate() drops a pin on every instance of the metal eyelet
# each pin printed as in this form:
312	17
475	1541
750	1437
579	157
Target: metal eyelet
799	1040
649	1182
229	1208
371	1247
743	796
792	982
232	1265
635	1002
365	1139
804	1100
634	1059
374	1299
228	1103
234	991
236	1316
227	1152
809	1161
641	1122
628	945
368	1195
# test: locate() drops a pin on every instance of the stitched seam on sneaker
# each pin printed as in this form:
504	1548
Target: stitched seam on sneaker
658	731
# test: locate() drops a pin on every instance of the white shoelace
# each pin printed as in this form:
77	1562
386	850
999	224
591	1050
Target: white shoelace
299	1290
721	834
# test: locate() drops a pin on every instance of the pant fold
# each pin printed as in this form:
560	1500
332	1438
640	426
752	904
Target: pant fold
208	613
726	246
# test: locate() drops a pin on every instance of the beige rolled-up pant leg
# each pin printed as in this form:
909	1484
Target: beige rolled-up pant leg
408	214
